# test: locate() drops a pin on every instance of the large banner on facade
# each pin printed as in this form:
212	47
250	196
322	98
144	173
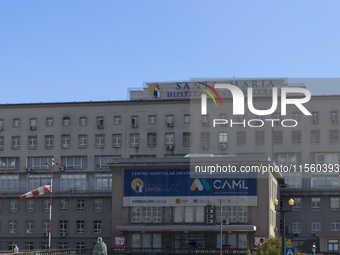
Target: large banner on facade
175	187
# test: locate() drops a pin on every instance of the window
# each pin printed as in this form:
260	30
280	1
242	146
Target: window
188	241
100	122
297	204
80	245
63	245
315	117
296	137
189	214
146	214
13	205
117	120
29	226
33	124
334	117
7	163
65	141
296	116
134	121
187	118
12	226
29	205
73	181
103	161
116	140
32	142
242	241
315	136
205	120
134	140
316	206
169	120
63	226
16	123
316	225
327	158
97	227
66	121
186	139
49	122
241	138
100	141
152	119
46	205
38	163
333	245
296	227
37	180
74	162
80	226
334	136
15	142
2	124
223	139
135	241
98	205
63	205
205	139
152	139
169	139
28	246
82	141
103	181
45	227
80	205
9	183
335	225
259	137
334	204
278	137
49	141
2	142
82	121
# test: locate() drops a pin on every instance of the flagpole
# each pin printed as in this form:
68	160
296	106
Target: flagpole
50	219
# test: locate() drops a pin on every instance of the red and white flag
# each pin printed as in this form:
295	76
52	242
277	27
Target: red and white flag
37	192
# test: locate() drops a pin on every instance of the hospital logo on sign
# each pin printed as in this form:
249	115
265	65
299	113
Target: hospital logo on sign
137	185
155	90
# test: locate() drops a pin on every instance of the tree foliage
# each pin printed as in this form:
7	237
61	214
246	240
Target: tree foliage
272	246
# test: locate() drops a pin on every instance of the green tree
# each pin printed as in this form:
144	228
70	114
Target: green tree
272	246
248	252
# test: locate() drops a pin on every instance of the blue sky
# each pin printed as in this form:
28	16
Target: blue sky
80	50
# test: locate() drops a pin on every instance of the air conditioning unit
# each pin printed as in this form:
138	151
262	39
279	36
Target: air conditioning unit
210	211
205	147
45	234
225	221
169	147
134	125
210	221
100	126
33	127
62	234
170	124
223	146
334	121
1	128
315	121
205	123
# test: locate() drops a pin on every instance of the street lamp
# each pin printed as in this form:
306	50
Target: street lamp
282	212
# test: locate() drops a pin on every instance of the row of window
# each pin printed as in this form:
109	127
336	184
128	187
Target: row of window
152	120
315	204
68	182
43	245
190	214
63	205
315	226
97	227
